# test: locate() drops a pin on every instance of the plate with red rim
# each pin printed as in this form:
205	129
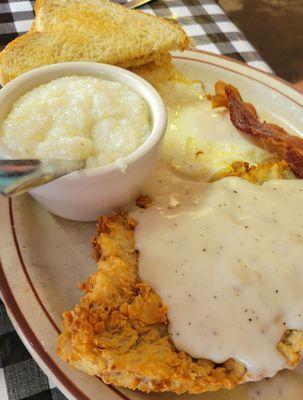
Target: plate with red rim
43	257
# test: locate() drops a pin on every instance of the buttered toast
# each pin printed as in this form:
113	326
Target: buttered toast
90	30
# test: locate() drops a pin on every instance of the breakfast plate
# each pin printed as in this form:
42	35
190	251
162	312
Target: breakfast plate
43	257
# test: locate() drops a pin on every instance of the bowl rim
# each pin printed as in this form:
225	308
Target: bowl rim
155	104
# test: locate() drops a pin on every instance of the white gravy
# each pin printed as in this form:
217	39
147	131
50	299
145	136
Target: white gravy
226	257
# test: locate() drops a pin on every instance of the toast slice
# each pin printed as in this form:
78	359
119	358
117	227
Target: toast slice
90	30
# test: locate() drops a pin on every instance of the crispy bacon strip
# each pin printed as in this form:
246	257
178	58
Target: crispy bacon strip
270	136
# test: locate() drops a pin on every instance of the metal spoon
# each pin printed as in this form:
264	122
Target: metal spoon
136	3
19	176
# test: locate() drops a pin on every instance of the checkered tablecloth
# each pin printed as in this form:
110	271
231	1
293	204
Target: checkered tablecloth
210	30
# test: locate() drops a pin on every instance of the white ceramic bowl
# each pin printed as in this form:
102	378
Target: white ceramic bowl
84	195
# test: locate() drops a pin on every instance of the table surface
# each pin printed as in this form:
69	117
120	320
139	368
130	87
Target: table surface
211	30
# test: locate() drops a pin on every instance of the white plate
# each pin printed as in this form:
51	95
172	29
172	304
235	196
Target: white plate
43	256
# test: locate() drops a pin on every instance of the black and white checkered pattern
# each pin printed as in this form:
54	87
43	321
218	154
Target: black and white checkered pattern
209	29
20	376
203	20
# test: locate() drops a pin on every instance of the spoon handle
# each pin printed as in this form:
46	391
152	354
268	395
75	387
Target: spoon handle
136	3
19	176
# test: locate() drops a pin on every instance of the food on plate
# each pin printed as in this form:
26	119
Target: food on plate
270	136
200	142
198	286
91	30
119	331
78	117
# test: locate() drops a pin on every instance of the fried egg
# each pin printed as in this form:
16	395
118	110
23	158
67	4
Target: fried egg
199	141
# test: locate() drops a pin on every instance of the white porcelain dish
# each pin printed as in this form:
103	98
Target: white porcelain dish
43	256
83	195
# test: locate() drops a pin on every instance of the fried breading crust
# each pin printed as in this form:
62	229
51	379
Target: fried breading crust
256	174
119	330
